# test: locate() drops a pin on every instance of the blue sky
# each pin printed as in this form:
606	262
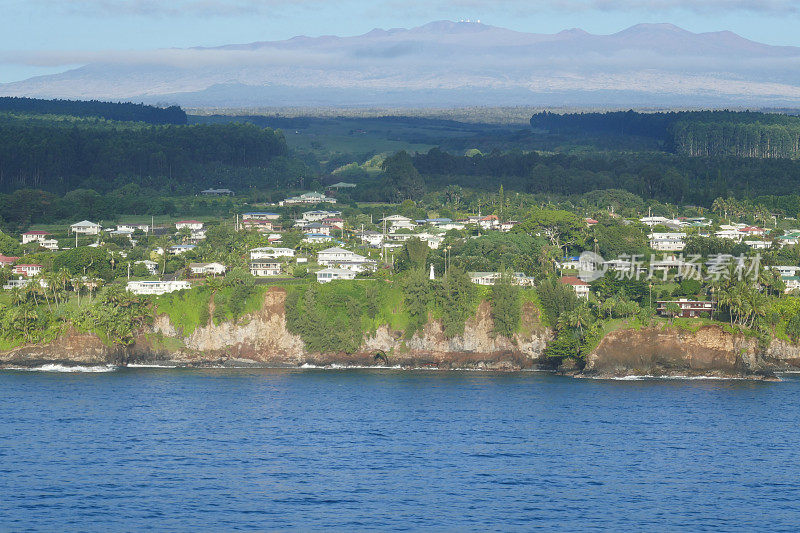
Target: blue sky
45	36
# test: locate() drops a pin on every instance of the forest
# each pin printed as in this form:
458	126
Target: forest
693	133
122	111
63	153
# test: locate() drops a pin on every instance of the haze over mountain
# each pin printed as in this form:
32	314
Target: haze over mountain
445	64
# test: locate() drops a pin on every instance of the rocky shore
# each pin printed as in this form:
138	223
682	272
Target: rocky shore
262	340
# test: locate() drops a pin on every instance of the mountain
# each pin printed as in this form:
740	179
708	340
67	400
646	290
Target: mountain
447	63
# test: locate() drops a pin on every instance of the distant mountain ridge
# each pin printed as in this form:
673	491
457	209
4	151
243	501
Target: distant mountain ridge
448	63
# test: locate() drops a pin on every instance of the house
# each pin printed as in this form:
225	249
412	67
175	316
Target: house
753	231
581	287
316	227
308	198
258	224
6	261
217	192
49	244
786	270
490	278
489	222
330	274
578	263
759	245
30	236
21	283
317	238
206	269
433	241
590	222
792	283
270	252
27	270
334	222
654	221
667	242
260	216
317	215
156	287
342	185
508	226
373	238
133	226
263	268
688	308
85	227
194	225
789	239
344	259
398	222
181	248
151	266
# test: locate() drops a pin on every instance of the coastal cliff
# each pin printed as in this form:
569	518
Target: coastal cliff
262	339
671	351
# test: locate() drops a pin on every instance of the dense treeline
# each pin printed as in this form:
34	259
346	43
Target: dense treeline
693	133
64	153
122	111
664	177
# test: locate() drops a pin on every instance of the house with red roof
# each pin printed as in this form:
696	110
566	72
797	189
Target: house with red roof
28	270
6	261
581	287
30	236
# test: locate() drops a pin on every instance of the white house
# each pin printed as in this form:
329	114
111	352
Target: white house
344	259
654	221
433	241
317	215
133	226
581	287
270	252
397	222
330	274
85	227
207	269
260	216
194	225
317	238
667	242
758	245
30	236
308	198
490	278
792	283
785	270
373	238
49	244
156	287
262	268
151	266
181	248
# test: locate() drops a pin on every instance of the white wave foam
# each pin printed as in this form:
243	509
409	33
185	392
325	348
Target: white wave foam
336	366
64	368
667	378
142	365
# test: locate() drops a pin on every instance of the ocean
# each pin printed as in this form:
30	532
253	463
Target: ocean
221	450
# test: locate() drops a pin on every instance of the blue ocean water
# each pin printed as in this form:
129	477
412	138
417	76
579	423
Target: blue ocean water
220	449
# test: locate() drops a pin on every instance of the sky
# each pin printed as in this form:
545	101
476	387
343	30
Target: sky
47	36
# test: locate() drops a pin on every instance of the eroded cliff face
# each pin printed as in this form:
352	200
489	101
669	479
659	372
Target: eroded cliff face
263	339
72	348
671	351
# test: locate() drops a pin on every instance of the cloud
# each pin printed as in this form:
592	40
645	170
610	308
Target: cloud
168	8
239	8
